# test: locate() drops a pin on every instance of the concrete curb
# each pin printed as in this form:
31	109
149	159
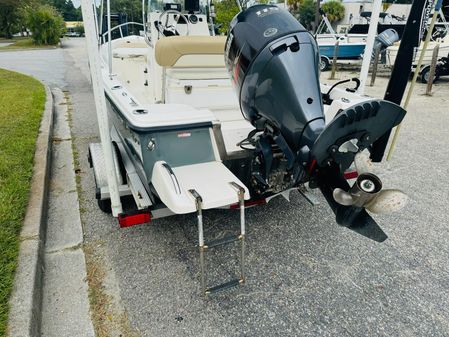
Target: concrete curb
26	297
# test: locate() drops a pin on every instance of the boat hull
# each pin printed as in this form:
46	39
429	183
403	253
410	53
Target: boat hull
177	145
353	51
443	51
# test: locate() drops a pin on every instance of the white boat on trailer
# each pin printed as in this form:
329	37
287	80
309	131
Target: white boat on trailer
439	38
200	121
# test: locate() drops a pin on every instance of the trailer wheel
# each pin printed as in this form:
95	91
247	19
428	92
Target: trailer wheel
105	205
324	63
425	74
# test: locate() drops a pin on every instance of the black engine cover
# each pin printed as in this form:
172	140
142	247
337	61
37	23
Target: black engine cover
273	63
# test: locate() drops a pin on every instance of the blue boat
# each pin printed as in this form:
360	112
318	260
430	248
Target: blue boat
350	46
345	51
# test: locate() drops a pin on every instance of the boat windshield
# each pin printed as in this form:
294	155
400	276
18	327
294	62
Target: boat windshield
161	5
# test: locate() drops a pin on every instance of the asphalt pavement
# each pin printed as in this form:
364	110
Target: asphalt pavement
47	65
306	276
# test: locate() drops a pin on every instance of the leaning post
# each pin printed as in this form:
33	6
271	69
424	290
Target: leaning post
375	65
433	66
334	60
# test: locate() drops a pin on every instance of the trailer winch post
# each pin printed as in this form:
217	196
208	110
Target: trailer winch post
438	5
372	31
100	103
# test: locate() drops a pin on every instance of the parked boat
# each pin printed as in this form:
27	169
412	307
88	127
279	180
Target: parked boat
440	36
443	51
201	121
350	46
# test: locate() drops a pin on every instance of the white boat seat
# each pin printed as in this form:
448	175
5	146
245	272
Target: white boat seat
198	74
211	181
130	52
190	51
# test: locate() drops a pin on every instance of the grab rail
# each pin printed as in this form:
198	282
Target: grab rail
119	27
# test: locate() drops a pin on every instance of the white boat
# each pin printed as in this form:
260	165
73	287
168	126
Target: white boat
201	121
440	37
350	46
442	52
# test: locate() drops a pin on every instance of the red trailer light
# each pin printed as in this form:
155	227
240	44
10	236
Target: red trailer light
249	203
128	220
351	174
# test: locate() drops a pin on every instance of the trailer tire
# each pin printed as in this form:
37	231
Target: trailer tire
324	63
425	73
105	205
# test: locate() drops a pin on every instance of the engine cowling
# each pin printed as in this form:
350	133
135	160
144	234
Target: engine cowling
273	62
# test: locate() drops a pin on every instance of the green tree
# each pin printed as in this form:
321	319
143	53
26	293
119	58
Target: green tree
306	13
225	10
9	17
334	9
45	23
66	8
132	8
80	30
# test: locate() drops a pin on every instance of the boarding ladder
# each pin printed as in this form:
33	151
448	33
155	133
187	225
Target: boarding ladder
205	246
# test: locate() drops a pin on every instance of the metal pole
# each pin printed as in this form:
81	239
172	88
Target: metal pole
334	59
100	40
375	65
108	5
433	66
211	16
97	29
243	235
143	19
372	32
415	75
317	17
100	104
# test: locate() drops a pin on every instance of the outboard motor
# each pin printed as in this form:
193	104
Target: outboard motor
273	63
384	40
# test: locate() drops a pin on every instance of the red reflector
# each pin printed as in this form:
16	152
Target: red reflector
312	165
249	203
128	220
351	175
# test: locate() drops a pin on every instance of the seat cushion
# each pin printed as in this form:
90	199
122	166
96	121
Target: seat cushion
169	50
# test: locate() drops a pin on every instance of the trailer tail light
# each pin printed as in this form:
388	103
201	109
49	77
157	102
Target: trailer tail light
132	219
249	203
351	174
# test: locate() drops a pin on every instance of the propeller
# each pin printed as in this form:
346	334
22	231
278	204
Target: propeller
367	191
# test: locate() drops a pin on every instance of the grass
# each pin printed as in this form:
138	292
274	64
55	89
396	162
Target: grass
23	43
22	101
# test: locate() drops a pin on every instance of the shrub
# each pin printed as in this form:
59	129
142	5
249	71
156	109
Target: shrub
306	13
80	30
226	10
334	9
45	23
